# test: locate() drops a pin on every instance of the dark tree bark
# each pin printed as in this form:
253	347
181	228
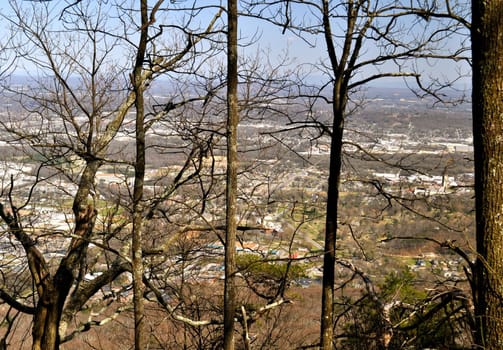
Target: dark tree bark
339	101
487	53
231	189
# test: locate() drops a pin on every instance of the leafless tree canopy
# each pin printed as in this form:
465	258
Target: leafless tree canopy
171	179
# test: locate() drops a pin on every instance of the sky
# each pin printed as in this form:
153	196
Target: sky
274	42
311	49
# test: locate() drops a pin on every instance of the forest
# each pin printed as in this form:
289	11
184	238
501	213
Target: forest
270	174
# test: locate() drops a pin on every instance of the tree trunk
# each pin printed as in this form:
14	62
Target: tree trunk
327	299
339	98
231	189
139	178
46	321
53	290
487	54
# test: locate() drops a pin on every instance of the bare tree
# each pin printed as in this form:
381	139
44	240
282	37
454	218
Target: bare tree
88	141
231	179
362	36
69	117
138	83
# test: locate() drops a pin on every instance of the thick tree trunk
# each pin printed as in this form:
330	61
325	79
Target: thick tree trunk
487	53
45	331
231	189
46	321
49	310
53	290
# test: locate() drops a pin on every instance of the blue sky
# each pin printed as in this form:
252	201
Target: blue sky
412	26
272	41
